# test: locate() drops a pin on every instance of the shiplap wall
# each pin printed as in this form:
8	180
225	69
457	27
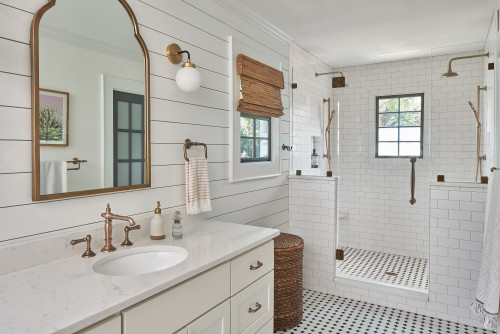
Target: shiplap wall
203	28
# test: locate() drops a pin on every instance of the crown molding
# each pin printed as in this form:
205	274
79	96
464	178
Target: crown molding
239	9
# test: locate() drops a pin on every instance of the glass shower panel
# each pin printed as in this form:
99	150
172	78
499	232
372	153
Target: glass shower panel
381	237
469	145
313	101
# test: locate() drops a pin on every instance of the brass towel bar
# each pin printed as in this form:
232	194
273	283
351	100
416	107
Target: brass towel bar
75	161
188	144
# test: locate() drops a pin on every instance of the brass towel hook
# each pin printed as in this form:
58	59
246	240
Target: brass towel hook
188	144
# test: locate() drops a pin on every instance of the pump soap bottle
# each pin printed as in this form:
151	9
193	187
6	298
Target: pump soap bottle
157	225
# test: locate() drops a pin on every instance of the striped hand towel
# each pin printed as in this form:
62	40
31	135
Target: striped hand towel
197	186
488	287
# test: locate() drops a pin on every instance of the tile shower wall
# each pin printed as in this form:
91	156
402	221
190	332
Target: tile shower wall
374	209
308	110
313	207
203	116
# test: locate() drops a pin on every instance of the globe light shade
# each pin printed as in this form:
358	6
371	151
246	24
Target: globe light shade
188	79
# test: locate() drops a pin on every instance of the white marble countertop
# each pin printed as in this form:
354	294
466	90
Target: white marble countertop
65	296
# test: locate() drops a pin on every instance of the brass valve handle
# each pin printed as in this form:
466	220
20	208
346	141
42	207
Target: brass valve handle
88	239
257	307
259	264
127	229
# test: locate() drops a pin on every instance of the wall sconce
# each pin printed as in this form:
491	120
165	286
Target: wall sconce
188	78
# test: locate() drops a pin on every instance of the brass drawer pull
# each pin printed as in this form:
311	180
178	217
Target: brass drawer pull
259	264
257	307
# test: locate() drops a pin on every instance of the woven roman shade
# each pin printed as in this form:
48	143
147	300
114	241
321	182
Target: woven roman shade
261	87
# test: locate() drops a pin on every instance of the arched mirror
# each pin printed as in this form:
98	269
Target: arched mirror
90	99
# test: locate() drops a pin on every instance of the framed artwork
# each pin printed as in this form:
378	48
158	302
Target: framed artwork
54	110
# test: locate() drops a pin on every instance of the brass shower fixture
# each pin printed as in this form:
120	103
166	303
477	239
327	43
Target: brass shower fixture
337	82
335	72
330	115
479	157
451	74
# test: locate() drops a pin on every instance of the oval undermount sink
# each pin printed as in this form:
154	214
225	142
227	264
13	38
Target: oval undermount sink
142	260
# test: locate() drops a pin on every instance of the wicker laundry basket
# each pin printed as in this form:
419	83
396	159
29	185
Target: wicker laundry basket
288	253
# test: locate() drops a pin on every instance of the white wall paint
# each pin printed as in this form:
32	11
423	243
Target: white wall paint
202	27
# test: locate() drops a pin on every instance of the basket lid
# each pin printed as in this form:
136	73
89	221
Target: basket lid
287	240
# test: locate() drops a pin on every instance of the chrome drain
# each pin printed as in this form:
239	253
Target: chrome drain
391	273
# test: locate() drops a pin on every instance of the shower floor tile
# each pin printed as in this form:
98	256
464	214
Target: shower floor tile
382	268
325	314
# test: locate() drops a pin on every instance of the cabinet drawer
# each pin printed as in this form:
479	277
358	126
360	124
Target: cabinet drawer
267	329
253	307
176	307
250	266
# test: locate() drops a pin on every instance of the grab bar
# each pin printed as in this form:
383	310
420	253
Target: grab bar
412	181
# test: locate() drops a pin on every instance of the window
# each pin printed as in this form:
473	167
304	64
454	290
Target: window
400	126
255	133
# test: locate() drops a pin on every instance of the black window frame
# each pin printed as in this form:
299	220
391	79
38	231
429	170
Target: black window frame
254	137
378	113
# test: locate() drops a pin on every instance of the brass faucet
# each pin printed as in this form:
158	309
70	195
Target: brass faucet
108	228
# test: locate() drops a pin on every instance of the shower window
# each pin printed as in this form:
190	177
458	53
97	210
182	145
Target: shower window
400	126
255	133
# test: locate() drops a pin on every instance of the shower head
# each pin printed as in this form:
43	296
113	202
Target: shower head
476	114
337	82
451	74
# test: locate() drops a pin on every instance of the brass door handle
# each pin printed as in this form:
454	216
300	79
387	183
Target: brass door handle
259	264
257	307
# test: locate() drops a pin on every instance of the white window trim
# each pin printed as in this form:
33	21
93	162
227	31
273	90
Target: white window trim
239	171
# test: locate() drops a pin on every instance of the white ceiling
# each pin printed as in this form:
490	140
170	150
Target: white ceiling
375	30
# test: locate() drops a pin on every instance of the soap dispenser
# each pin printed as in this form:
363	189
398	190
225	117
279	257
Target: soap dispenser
157	225
177	226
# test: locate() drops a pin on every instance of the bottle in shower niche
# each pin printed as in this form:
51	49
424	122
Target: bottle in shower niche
314	159
177	226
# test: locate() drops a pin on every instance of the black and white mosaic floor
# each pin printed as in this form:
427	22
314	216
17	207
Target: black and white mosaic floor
324	314
376	267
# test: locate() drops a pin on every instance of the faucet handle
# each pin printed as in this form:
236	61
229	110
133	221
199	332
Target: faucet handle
127	229
88	252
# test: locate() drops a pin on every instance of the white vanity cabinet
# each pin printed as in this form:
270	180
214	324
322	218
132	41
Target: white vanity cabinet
236	297
178	306
216	321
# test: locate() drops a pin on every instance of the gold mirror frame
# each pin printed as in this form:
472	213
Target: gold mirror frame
35	131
